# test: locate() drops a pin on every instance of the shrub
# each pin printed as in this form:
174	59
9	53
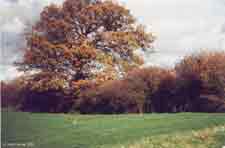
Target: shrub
12	93
202	74
21	95
207	67
112	97
138	92
46	101
158	85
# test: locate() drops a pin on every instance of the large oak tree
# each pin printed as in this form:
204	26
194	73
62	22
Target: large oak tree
82	41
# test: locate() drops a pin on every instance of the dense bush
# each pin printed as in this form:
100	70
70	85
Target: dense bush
113	97
12	93
200	75
207	67
139	92
21	95
157	84
46	101
42	94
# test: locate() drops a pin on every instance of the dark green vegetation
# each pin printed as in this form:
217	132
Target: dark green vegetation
85	131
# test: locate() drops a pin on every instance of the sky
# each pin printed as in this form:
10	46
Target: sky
182	27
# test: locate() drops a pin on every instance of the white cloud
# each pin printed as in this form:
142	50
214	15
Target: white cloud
15	25
182	26
9	72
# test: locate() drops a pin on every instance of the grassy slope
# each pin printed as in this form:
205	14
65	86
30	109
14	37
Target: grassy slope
76	131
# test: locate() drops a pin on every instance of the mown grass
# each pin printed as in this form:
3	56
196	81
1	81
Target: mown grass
105	131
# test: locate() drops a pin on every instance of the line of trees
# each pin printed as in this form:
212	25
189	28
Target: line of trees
196	84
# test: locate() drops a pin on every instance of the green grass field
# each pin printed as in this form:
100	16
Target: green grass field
191	130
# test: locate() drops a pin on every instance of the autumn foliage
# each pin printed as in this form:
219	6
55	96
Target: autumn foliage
12	93
81	38
207	67
81	56
132	94
78	45
195	85
205	75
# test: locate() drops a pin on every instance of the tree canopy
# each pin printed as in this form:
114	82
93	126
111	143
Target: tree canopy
83	41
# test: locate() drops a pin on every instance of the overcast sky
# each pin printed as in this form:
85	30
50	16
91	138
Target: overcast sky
182	26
